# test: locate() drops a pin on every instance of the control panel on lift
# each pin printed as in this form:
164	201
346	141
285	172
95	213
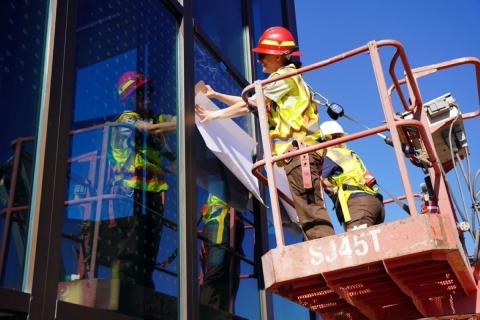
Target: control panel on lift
446	127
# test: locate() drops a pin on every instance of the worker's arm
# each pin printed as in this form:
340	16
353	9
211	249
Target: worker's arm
329	169
225	98
155	128
238	109
325	183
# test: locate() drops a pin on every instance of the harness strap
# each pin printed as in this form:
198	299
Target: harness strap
111	214
347	187
343	196
305	163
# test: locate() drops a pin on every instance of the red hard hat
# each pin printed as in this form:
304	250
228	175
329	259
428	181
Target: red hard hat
278	41
129	81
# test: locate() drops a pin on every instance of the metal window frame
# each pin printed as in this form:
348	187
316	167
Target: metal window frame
51	163
188	307
39	298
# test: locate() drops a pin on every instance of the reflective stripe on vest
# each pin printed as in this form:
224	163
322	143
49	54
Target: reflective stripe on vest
144	171
298	121
350	179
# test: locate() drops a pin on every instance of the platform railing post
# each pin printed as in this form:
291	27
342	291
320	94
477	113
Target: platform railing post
11	201
100	197
390	120
272	186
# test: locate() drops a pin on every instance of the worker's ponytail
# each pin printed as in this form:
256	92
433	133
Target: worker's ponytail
292	60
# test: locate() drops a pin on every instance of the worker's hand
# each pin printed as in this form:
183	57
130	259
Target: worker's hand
205	115
201	254
209	92
164	263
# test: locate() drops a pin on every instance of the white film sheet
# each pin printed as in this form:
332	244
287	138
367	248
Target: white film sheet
230	144
234	147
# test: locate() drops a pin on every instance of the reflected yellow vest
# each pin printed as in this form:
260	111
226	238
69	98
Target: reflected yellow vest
143	169
215	210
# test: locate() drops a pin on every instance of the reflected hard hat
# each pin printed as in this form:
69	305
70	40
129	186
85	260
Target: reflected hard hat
278	41
129	81
332	127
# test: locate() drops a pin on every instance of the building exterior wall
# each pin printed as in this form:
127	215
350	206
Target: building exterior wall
61	67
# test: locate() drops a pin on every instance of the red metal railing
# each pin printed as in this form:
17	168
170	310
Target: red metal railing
393	122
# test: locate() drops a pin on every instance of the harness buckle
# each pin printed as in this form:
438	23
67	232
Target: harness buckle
128	191
346	187
293	147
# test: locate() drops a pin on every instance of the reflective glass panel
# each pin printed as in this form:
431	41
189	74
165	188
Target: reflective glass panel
225	222
222	21
22	50
265	16
120	220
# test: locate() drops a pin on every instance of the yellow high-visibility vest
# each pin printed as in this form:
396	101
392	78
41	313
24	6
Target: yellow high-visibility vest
293	122
351	179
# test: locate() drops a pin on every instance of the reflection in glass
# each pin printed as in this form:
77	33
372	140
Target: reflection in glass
208	69
23	30
225	30
120	222
225	221
220	267
265	16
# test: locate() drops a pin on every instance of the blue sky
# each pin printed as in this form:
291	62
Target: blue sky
431	31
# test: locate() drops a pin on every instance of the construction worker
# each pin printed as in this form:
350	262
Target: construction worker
135	156
293	121
346	180
219	264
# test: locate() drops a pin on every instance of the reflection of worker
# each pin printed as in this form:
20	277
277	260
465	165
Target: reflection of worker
215	290
293	121
348	183
136	158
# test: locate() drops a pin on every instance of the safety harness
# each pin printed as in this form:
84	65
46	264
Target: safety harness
293	122
353	179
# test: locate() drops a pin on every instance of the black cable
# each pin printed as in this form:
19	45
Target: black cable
476	256
447	183
462	215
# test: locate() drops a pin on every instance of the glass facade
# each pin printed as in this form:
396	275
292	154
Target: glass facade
121	214
265	17
22	54
120	222
217	237
223	22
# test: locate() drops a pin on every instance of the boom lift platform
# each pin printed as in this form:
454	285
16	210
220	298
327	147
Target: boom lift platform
413	268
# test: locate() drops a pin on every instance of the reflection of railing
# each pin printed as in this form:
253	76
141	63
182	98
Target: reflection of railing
11	199
100	196
89	181
92	182
393	122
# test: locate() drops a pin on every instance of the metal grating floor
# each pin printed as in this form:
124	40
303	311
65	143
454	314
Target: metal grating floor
417	270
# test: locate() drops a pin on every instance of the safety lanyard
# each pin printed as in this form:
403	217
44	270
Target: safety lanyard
335	111
402	205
